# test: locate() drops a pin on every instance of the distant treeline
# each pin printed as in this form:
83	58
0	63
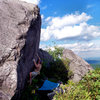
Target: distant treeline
95	66
93	61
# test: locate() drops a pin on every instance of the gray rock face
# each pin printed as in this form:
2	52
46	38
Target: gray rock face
20	25
77	65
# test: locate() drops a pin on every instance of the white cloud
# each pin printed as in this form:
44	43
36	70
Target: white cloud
67	20
67	31
43	8
77	47
44	34
84	50
69	26
32	1
90	6
43	46
42	16
48	19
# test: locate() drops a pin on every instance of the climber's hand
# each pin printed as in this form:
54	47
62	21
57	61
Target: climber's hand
34	60
37	55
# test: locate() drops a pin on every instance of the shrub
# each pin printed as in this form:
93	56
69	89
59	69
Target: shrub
87	89
59	68
56	53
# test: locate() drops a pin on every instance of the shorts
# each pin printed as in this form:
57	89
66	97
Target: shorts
34	74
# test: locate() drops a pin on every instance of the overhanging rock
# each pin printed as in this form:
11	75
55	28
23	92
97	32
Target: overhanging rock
20	25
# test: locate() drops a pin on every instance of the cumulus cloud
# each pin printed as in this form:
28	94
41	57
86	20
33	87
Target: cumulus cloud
45	34
42	16
48	19
32	1
43	46
67	20
84	50
70	26
77	47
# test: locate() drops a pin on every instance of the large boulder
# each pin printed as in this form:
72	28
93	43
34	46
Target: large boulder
45	57
20	25
77	65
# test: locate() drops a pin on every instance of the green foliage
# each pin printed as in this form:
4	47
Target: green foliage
95	66
87	89
29	91
56	53
59	68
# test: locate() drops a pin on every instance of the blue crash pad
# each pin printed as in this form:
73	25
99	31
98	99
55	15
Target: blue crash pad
47	85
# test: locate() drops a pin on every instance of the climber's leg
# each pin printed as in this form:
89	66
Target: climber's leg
33	75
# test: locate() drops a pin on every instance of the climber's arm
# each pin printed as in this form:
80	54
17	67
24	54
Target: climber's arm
38	56
34	62
39	59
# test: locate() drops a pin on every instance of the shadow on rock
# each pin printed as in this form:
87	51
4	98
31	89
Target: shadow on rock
27	53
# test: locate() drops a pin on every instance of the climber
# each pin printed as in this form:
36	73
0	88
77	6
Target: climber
37	69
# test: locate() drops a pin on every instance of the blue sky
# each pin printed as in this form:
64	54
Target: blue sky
73	24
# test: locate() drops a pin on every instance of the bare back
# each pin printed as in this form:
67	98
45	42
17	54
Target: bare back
38	68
